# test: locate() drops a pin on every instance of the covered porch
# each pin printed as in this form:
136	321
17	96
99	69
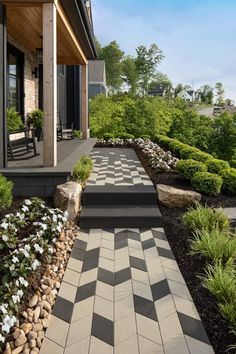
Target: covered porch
60	29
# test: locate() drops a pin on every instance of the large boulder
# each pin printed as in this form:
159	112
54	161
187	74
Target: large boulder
68	198
176	198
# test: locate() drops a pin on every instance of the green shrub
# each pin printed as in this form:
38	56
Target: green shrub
206	182
35	118
125	136
228	311
215	245
229	180
233	163
205	218
82	169
14	121
108	136
6	196
175	146
189	167
163	140
215	166
77	133
200	156
187	151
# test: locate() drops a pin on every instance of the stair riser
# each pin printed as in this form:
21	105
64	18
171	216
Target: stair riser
97	199
93	223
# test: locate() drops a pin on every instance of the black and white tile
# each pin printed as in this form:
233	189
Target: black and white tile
120	167
123	293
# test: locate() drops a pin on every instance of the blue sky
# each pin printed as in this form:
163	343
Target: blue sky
198	37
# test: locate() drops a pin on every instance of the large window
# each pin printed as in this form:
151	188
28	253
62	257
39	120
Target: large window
15	82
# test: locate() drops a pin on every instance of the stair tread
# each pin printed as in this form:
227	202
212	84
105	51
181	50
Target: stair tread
127	211
112	189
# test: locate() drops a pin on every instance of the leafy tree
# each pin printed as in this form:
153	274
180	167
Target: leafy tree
206	94
146	62
130	74
223	138
178	89
113	56
163	80
220	93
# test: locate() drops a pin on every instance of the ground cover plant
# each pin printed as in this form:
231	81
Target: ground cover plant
6	196
26	237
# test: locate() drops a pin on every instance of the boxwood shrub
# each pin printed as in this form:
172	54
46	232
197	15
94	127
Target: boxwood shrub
6	196
189	167
207	183
187	151
229	180
163	140
233	163
215	165
200	156
175	146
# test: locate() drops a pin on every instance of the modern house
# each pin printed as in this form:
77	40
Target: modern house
158	91
189	95
45	48
97	78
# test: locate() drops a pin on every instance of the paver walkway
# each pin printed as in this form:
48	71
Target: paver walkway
123	292
120	167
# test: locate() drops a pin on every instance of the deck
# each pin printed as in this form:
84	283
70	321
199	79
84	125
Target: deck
29	176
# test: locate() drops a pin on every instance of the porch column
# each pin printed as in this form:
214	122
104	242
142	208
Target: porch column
3	90
84	101
50	85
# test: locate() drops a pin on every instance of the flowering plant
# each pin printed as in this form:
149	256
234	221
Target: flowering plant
21	256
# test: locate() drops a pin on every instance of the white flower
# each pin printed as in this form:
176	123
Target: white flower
8	322
5	238
20	293
15	259
50	249
27	248
28	202
3	308
6	328
2	339
15	298
38	248
25	208
12	267
35	264
20	216
25	253
23	281
4	225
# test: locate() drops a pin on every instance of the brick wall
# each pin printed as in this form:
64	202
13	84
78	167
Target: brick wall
30	83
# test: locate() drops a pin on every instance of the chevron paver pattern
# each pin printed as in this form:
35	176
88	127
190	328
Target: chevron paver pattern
123	293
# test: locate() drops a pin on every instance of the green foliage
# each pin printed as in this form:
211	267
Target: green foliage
82	169
188	168
233	163
187	151
130	74
223	137
229	180
215	245
77	133
176	146
206	182
200	156
14	121
162	80
206	94
35	118
215	166
6	196
204	218
228	311
163	140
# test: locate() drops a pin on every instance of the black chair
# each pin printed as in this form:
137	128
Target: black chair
22	145
64	133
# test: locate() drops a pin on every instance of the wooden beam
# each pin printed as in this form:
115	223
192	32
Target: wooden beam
84	102
50	85
3	89
70	36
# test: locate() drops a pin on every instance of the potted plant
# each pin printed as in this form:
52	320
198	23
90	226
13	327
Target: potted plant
35	120
14	121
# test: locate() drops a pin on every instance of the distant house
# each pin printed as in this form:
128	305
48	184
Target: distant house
189	95
159	91
97	78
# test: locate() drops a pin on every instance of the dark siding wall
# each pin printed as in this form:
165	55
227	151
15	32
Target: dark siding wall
3	65
73	95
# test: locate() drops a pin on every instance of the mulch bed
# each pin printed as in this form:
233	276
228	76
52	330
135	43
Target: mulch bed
192	266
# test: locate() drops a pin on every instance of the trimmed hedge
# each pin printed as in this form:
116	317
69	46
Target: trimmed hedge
187	151
229	180
175	146
188	168
206	182
6	195
215	166
200	156
233	163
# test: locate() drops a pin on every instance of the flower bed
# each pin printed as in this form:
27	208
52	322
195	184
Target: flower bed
34	249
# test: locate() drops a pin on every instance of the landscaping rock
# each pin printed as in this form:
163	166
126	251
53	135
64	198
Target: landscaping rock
176	198
67	198
17	350
20	340
26	327
33	301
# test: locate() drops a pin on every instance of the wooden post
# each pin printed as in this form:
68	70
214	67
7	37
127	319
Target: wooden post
3	89
50	84
84	101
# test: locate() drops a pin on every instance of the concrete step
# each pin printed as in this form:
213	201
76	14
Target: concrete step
120	216
119	195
